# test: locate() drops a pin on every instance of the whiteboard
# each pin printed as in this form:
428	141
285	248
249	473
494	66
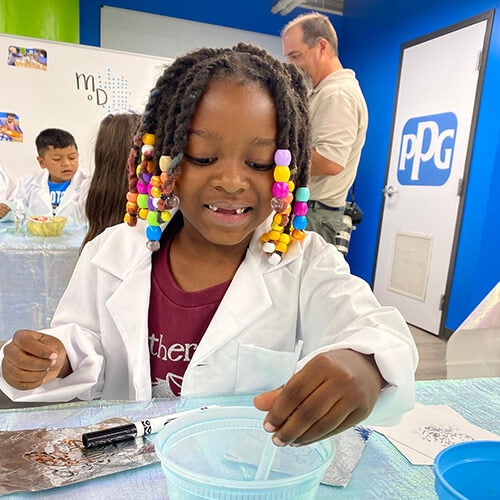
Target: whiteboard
125	29
76	87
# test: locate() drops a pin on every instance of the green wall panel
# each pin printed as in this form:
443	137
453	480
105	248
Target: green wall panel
47	19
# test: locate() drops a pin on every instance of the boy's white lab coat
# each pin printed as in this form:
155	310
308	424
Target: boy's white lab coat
248	346
35	193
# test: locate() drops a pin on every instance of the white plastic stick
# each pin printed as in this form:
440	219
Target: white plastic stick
269	451
266	459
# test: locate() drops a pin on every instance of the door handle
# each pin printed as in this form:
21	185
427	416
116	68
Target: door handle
389	191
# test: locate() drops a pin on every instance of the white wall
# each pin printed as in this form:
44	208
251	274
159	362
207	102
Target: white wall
135	31
57	97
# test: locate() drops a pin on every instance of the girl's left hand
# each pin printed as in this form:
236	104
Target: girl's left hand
333	392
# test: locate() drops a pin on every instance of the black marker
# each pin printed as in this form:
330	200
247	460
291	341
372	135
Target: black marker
136	429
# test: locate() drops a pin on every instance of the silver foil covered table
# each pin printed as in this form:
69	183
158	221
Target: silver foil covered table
34	272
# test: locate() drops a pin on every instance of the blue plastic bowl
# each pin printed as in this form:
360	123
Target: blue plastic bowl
468	471
214	454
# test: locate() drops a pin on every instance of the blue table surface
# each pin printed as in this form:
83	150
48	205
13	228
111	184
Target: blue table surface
381	473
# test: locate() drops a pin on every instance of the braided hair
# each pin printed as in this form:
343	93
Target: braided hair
173	101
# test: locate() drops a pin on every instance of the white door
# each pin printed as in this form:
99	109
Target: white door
433	123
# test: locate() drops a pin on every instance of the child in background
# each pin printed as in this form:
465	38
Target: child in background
61	189
13	56
10	128
109	184
214	296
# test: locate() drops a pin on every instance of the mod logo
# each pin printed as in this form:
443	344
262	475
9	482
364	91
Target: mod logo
427	147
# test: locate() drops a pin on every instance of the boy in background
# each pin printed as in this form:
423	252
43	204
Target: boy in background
60	189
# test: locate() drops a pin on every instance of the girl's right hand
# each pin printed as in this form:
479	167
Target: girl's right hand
32	359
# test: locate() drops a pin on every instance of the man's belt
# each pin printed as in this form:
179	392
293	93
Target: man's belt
318	204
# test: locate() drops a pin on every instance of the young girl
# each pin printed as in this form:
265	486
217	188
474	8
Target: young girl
213	297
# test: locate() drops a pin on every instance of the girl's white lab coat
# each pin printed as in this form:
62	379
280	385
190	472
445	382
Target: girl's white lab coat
248	347
34	191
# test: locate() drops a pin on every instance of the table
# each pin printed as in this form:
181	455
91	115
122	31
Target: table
382	472
34	272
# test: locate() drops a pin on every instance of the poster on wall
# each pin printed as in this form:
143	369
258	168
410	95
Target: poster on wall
48	84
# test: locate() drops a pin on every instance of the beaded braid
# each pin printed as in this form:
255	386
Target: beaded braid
157	152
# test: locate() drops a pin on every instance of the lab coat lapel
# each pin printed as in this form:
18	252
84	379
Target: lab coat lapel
67	198
74	186
129	309
40	192
246	299
128	305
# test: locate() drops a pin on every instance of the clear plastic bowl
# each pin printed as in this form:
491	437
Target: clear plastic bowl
468	471
214	454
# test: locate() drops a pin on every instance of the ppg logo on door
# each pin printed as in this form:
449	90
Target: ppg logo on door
427	147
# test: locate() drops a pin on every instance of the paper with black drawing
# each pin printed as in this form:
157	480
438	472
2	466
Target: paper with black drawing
426	430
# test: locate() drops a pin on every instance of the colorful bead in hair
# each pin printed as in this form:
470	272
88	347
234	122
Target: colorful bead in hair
151	196
283	228
132	207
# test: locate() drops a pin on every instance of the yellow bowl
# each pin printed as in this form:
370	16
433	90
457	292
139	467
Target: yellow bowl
43	225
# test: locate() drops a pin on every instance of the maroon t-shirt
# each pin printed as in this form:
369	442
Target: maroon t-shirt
177	321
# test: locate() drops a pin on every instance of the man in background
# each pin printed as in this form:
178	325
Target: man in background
339	119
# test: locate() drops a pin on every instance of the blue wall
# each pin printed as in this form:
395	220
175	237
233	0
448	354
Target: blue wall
371	34
251	15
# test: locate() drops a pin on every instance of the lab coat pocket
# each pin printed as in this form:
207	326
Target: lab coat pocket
262	369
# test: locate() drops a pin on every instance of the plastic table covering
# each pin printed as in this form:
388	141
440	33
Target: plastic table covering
34	272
